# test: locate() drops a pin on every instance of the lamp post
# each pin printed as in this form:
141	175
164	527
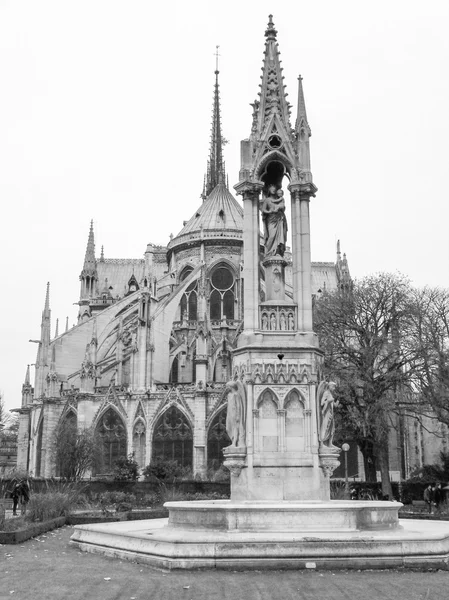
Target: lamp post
345	448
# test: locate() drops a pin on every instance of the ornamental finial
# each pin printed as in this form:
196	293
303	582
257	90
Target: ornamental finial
271	32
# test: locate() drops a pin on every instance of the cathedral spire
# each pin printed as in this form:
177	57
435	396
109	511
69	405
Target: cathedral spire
215	166
57	328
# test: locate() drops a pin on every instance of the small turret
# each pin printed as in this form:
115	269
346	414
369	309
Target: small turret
27	390
88	277
42	361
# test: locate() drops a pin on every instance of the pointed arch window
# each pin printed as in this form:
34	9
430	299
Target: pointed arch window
65	445
174	370
217	439
223	293
173	438
111	434
40	432
189	300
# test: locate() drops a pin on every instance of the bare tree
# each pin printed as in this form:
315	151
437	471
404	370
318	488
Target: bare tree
429	311
7	419
359	331
74	450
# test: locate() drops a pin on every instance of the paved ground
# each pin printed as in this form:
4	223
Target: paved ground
48	568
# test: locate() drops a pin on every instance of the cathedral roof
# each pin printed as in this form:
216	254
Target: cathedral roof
219	216
118	271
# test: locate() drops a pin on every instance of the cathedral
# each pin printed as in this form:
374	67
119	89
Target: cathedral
147	363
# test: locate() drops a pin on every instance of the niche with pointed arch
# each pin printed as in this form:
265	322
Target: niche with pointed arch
173	438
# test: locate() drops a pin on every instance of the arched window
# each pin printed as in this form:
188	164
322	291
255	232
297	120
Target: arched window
174	370
139	443
222	297
173	438
189	300
217	439
222	368
111	434
65	445
40	431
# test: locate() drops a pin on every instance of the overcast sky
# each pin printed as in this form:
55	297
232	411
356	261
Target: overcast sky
105	114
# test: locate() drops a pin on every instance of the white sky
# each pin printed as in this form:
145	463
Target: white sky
105	113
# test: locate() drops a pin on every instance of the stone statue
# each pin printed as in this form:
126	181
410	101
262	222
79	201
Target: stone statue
326	404
275	222
283	322
236	413
264	321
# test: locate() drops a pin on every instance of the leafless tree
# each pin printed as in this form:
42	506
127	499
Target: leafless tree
359	331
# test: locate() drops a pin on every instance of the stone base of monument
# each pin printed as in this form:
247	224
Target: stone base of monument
299	535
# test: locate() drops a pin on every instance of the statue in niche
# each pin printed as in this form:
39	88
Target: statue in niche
236	413
274	221
273	321
283	322
326	404
264	321
291	322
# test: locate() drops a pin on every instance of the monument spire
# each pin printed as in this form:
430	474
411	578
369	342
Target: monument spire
273	97
215	165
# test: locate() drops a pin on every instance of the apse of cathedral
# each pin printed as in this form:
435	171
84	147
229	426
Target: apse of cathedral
147	363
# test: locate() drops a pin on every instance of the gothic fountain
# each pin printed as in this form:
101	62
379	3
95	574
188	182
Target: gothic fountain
280	410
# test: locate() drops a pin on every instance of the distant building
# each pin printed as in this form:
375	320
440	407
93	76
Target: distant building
8	451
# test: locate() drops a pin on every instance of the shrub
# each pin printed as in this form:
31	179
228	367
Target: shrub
126	469
123	507
122	501
163	470
56	500
219	475
43	507
338	490
14	524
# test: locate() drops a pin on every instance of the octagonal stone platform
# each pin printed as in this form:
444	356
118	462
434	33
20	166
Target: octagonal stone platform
235	537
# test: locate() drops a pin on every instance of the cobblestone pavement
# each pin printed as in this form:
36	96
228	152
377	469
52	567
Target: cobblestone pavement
49	568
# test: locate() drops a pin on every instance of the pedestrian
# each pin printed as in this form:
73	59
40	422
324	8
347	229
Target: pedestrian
429	496
438	495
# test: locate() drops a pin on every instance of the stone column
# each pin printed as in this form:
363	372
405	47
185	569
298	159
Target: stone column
296	255
199	434
251	246
302	267
306	265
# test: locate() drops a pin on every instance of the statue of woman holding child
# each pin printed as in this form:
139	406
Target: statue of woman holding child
274	221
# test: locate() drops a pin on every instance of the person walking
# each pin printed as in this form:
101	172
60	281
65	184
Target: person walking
438	495
429	496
